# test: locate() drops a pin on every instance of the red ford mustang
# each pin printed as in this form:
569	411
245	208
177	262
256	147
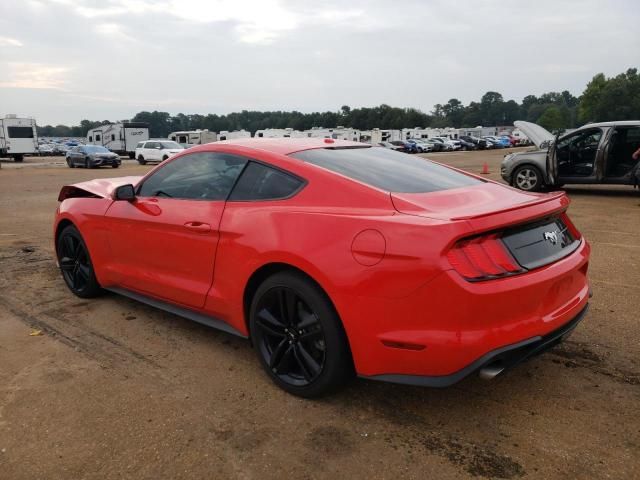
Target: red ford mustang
334	258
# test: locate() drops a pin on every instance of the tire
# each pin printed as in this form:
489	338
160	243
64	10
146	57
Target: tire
132	155
305	352
165	158
115	165
75	264
18	158
70	163
528	178
141	160
87	163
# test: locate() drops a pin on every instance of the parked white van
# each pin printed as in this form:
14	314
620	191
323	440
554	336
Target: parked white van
156	150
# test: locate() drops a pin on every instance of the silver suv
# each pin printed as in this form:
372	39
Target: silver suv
594	153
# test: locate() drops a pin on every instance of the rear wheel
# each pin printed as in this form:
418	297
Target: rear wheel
70	163
18	158
141	160
528	178
298	336
165	157
115	165
75	263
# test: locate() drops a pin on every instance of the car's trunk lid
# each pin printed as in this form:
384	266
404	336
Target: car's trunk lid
530	225
467	203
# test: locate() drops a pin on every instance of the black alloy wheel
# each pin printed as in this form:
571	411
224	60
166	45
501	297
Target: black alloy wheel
298	336
75	263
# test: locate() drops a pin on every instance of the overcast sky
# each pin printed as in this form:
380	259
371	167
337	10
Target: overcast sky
65	60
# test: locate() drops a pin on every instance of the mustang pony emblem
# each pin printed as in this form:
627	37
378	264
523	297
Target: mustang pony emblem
551	236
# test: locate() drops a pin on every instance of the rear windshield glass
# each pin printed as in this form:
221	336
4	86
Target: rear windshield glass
386	169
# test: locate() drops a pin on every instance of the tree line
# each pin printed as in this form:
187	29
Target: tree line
614	98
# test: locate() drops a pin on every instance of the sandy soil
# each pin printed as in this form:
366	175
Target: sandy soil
115	389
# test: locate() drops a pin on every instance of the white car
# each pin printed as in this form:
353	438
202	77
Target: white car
156	150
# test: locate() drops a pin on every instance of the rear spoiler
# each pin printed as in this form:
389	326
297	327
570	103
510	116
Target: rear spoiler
546	198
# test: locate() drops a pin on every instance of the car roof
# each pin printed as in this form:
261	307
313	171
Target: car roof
622	123
286	146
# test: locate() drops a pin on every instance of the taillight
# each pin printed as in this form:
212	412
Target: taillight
575	233
482	258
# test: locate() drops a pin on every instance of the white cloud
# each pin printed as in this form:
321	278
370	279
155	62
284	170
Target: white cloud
10	42
34	75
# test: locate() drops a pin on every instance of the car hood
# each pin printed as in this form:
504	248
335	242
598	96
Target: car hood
537	134
468	202
104	187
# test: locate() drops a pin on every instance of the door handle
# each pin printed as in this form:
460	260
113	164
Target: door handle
198	227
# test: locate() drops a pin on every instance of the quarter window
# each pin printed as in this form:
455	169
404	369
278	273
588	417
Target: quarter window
259	182
199	176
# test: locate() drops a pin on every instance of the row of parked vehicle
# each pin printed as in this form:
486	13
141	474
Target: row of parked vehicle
93	156
443	144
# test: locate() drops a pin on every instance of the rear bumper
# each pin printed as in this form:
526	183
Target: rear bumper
449	325
497	361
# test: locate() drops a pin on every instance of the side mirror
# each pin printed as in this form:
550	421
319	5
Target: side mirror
125	192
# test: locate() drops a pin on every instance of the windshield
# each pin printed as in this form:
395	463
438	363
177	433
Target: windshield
96	149
172	145
386	169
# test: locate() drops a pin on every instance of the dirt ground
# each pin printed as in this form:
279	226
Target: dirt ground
114	389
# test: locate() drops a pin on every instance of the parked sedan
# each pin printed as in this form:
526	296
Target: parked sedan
91	156
334	258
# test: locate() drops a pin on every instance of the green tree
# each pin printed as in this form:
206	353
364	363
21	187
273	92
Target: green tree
552	119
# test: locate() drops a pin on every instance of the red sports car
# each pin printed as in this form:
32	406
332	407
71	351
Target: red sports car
334	258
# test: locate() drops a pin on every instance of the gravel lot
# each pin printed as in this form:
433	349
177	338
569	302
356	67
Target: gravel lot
115	389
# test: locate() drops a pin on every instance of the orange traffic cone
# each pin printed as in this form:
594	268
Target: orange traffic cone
485	169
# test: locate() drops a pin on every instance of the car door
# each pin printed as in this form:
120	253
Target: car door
164	242
76	155
576	158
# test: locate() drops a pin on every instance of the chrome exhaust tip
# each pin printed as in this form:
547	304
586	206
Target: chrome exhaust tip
490	372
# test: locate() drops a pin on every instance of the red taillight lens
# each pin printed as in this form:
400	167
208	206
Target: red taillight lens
575	233
482	258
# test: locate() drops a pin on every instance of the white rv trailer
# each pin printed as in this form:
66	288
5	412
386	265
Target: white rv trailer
380	135
120	137
338	133
226	135
279	133
193	137
18	136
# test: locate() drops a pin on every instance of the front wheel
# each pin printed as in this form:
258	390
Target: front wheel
298	336
75	263
528	178
115	165
70	163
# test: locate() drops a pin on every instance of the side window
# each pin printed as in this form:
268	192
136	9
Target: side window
259	182
90	138
113	137
199	176
140	145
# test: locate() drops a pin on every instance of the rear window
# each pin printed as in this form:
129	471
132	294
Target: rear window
386	169
20	132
